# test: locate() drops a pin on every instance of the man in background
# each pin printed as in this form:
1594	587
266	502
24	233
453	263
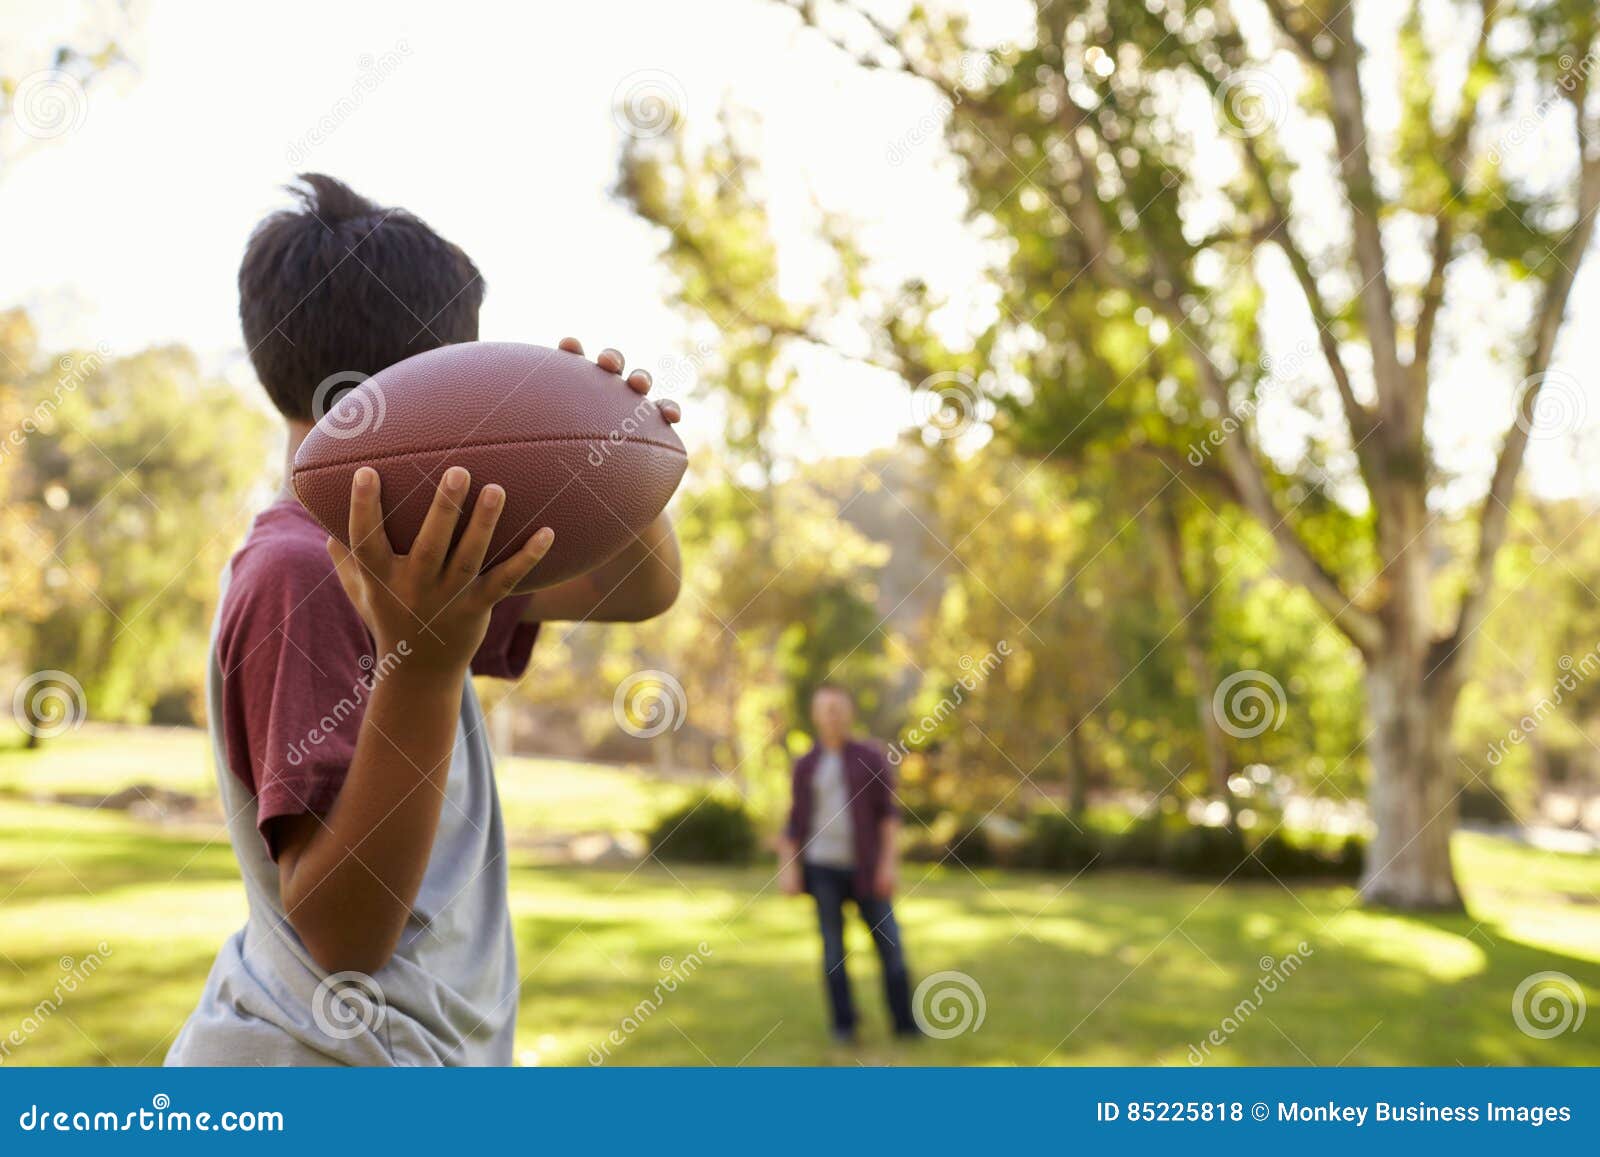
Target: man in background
841	845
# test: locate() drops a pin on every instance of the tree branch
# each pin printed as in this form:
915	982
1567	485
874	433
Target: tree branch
1238	455
904	62
1357	415
1547	327
1298	30
1341	68
1443	248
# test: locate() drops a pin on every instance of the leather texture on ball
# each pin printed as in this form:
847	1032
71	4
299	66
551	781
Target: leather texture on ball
574	446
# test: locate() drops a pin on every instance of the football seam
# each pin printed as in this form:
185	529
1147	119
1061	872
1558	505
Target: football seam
473	446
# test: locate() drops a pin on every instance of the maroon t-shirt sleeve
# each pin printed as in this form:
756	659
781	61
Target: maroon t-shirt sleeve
508	642
298	667
296	662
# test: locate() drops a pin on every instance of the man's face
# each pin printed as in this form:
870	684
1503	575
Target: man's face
831	715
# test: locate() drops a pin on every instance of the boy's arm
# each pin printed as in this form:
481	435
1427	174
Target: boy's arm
348	879
641	582
638	584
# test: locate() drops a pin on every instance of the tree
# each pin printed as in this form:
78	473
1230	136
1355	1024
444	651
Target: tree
1075	150
778	587
132	478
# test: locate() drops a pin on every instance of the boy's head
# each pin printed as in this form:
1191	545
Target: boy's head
340	286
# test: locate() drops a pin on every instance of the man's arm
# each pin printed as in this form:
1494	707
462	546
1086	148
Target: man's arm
348	879
888	875
791	876
888	870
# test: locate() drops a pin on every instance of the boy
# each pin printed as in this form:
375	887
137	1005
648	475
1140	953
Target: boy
349	743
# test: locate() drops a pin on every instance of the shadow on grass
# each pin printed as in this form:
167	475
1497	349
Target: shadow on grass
1128	970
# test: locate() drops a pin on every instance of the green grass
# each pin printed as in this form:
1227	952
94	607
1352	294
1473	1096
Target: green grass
536	795
103	760
1113	969
553	795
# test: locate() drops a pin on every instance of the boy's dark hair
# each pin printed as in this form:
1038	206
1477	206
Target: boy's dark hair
340	285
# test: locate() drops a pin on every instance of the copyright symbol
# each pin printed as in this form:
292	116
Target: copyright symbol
1259	1111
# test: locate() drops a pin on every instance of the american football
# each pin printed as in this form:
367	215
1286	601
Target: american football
573	446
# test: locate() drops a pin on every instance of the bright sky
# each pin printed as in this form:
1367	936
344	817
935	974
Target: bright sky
496	123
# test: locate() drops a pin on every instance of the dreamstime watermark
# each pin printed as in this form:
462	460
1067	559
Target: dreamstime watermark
1279	372
645	413
72	371
1249	702
1250	102
648	703
977	70
49	703
347	1004
350	706
49	103
1574	71
160	1117
648	103
1573	674
1559	407
948	404
74	973
681	373
1273	974
1547	1004
947	1004
371	72
974	672
346	405
673	974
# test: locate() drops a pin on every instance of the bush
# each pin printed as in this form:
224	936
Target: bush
970	845
1351	859
1278	856
1141	845
1484	805
709	829
1055	843
1206	853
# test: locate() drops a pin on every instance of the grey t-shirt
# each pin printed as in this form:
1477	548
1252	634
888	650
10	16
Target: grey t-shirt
832	840
448	995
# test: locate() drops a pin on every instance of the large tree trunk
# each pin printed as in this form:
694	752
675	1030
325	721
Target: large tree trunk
1414	788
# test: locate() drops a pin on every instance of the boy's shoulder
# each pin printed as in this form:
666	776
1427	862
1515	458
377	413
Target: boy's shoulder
283	573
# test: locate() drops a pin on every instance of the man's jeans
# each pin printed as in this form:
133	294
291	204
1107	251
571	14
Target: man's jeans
831	887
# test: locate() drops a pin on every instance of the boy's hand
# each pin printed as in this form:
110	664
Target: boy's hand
432	599
640	380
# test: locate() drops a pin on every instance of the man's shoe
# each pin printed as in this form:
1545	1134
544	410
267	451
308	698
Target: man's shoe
844	1036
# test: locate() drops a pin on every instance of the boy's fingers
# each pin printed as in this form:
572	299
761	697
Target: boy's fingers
610	359
367	540
474	545
571	345
503	579
641	381
670	411
439	526
346	567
